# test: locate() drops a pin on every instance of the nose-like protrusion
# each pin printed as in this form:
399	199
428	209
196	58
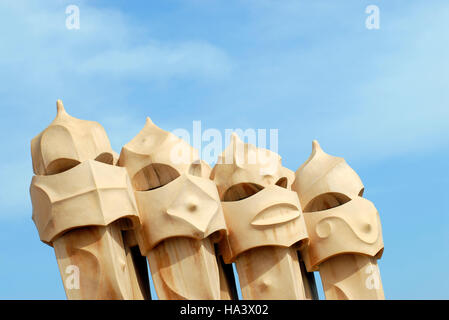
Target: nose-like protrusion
192	207
193	204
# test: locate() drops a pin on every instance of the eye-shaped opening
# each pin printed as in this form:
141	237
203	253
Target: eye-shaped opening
241	191
64	164
105	157
326	201
282	182
61	165
154	176
361	192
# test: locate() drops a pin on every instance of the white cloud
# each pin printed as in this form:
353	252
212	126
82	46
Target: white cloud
402	107
90	68
107	43
366	95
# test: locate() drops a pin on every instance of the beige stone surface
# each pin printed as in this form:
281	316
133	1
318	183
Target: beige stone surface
344	228
265	222
180	211
81	204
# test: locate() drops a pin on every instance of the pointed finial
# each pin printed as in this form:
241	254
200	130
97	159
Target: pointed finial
235	140
148	121
238	149
235	137
60	110
316	147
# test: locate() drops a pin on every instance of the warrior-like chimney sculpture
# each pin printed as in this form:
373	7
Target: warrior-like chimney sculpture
181	214
344	228
106	215
81	204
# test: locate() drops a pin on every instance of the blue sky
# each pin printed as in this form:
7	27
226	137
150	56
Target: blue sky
379	98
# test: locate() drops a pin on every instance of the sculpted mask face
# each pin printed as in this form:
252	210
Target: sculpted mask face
73	159
259	208
173	191
81	204
331	194
59	200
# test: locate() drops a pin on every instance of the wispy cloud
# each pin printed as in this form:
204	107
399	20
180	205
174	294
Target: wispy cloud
317	72
108	42
312	70
94	70
401	106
